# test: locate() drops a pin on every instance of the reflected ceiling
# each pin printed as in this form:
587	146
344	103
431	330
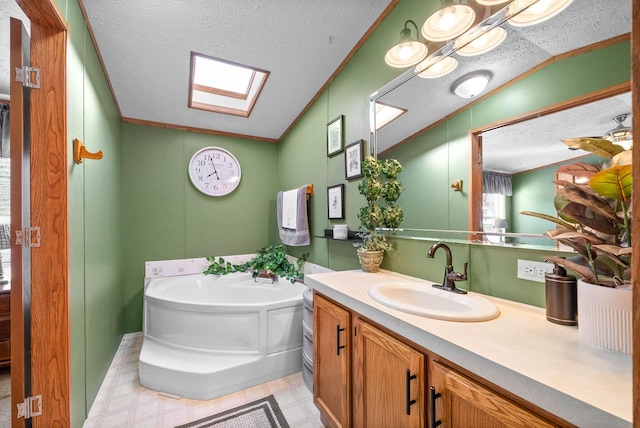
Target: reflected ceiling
528	145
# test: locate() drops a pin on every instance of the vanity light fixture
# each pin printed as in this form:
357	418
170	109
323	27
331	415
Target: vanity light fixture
479	41
530	12
621	135
408	51
436	66
472	84
454	18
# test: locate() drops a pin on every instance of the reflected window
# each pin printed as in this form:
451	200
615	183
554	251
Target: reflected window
494	215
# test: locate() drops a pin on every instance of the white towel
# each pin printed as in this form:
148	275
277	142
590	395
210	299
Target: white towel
300	234
290	209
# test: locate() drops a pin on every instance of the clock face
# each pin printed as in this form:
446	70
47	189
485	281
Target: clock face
214	171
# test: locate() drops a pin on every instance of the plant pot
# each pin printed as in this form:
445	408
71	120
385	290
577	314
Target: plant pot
604	316
370	260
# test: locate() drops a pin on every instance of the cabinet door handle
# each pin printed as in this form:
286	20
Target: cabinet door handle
338	346
409	377
433	396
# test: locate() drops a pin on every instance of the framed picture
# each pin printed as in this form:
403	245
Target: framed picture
334	136
353	157
335	201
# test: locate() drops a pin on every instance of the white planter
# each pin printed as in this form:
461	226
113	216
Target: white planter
604	316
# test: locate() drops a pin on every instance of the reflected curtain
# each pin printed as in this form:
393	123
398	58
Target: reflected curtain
496	182
4	131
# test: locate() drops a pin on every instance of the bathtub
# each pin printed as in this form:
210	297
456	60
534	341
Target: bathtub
206	336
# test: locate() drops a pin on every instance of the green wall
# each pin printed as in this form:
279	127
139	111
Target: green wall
95	218
165	217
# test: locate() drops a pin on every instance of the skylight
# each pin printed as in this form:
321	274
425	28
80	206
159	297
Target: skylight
224	87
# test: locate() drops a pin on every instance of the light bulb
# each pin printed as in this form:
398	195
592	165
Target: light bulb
405	51
447	19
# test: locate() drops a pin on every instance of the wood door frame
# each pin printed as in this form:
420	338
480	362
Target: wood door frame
50	325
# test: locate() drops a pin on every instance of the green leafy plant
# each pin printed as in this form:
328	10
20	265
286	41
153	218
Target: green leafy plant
271	259
594	219
381	189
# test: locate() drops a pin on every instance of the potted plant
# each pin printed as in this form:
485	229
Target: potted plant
267	265
594	219
381	189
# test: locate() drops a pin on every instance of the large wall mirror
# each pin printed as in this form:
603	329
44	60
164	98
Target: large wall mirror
426	103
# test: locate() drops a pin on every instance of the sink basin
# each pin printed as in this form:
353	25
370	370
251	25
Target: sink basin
424	300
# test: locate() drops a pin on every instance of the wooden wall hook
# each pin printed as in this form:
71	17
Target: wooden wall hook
80	152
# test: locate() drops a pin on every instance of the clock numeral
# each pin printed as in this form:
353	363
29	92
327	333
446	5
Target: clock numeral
202	162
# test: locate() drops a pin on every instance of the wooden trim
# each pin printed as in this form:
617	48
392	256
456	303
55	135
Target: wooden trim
194	129
538	67
50	344
598	95
50	347
364	38
17	313
635	221
475	186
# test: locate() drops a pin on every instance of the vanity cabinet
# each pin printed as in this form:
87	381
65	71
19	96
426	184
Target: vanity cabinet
332	362
365	376
385	388
388	380
461	402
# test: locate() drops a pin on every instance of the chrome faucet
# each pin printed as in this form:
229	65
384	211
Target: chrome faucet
448	283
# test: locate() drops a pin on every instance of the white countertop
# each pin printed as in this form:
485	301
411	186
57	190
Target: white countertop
520	351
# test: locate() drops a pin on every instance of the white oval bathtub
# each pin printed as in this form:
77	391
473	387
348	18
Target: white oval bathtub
207	336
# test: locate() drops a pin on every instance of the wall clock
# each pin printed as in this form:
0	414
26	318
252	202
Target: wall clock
214	171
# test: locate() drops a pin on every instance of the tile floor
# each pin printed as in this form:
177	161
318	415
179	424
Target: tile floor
122	402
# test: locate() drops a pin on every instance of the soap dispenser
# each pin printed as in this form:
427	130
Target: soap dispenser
561	296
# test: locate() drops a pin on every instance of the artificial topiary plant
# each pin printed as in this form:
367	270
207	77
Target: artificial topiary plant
381	189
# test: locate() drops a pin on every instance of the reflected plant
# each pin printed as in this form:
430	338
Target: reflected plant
594	219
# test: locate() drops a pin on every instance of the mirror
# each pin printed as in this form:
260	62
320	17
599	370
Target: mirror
428	103
516	178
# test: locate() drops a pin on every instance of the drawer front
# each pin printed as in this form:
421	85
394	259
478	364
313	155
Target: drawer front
4	304
5	328
5	351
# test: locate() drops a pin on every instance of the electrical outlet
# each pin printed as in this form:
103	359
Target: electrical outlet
533	271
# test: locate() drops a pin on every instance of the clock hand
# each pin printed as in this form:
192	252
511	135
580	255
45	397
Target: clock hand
215	171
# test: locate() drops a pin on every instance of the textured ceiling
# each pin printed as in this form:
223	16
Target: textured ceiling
146	45
540	139
583	23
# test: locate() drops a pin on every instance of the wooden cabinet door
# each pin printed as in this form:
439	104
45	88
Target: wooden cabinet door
331	362
388	381
465	403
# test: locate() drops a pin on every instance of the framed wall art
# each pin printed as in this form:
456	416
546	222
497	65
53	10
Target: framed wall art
353	157
335	202
335	139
